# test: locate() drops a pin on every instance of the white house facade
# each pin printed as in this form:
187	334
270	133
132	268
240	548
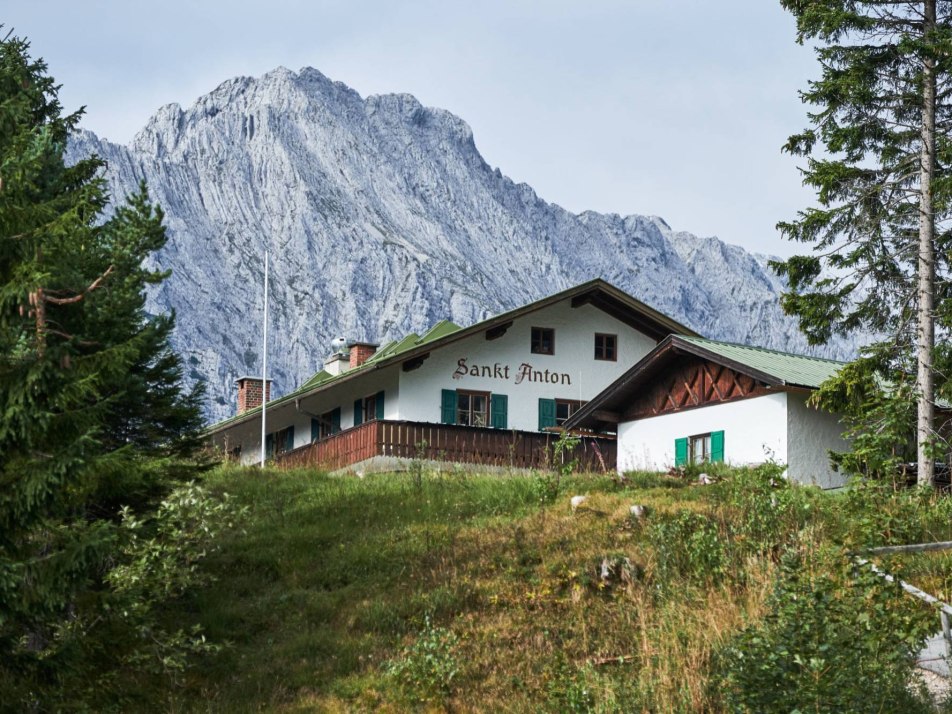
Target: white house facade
695	400
529	370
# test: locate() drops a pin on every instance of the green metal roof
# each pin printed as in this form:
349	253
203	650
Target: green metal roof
440	329
321	376
791	369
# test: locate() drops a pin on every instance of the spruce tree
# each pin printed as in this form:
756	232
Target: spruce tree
879	158
93	413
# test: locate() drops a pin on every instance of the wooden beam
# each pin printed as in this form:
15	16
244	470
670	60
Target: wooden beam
580	300
606	416
415	363
494	333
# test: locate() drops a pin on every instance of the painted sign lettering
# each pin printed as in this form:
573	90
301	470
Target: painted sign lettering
525	373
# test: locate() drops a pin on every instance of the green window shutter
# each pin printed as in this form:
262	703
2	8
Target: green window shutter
358	412
680	451
289	439
269	446
499	411
315	429
717	447
546	413
335	420
448	407
379	400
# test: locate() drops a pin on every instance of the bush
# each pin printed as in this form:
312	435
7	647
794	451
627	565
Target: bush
688	545
766	510
836	638
428	667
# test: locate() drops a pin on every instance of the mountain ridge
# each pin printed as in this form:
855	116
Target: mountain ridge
382	217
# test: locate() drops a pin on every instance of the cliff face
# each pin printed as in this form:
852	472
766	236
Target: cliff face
381	218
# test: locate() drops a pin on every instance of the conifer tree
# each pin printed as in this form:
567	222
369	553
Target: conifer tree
879	157
93	413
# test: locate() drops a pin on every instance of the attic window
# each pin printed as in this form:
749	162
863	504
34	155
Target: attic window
606	347
543	341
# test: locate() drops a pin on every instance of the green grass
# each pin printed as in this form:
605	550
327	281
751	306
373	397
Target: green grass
463	592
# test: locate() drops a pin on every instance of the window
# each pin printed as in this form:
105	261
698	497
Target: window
606	347
283	440
369	408
472	408
325	425
543	341
564	408
699	448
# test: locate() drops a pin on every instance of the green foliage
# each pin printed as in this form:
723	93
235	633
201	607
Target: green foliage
884	209
764	509
122	631
94	417
835	638
688	546
428	666
568	688
877	402
547	485
873	513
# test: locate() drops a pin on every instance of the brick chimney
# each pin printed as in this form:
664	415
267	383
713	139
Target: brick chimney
249	393
360	352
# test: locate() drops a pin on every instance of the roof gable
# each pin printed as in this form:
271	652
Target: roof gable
762	368
412	350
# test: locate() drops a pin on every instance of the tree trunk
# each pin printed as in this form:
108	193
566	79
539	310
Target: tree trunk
925	387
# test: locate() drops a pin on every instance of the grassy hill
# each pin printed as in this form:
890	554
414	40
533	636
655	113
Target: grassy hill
462	592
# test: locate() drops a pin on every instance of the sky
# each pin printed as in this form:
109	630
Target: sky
674	108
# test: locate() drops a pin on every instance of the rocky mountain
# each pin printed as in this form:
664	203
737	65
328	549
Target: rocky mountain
381	217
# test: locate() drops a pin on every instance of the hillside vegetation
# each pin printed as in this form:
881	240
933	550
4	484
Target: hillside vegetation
462	592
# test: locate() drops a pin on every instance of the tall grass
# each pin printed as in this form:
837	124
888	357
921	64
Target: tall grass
347	594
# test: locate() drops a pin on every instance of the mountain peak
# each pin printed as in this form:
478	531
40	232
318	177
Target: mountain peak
382	217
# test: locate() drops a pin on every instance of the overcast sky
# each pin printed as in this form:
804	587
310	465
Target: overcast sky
676	108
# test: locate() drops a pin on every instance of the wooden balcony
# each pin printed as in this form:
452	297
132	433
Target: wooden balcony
444	442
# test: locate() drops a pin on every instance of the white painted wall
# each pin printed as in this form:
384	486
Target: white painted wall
416	395
811	435
755	430
580	375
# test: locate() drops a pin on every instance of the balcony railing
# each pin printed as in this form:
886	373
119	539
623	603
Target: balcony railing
445	442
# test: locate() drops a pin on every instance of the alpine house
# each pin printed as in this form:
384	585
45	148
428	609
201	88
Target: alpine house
694	400
490	392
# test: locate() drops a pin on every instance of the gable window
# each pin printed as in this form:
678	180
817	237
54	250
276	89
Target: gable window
564	408
543	341
472	408
606	347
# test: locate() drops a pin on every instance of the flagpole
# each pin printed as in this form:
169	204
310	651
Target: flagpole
264	367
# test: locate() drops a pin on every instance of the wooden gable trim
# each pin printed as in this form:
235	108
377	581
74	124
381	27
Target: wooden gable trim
690	383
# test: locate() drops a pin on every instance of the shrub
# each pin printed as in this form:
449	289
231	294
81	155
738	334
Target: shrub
428	666
766	510
688	545
836	638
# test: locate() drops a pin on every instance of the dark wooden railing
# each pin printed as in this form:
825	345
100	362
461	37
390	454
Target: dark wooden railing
444	442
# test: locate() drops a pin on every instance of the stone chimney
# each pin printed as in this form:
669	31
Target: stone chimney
249	393
360	352
337	363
